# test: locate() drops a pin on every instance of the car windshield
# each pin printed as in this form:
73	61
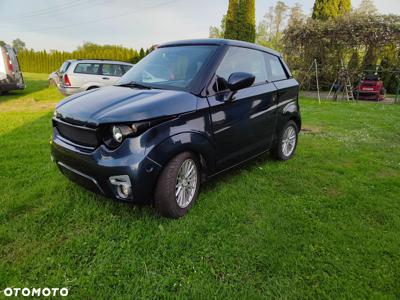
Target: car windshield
169	67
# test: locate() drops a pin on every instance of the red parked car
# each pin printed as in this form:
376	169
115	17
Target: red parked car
370	88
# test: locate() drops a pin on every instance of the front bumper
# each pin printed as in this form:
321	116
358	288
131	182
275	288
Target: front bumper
92	169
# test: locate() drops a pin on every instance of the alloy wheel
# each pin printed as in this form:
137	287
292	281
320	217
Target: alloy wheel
289	141
186	183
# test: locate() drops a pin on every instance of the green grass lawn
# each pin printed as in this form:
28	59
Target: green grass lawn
325	224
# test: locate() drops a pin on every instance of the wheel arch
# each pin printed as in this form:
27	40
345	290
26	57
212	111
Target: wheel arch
289	113
194	142
296	118
91	87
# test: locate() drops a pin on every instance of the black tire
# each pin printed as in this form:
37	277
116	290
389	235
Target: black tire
165	200
278	152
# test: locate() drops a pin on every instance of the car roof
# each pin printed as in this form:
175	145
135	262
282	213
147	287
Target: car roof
99	60
219	42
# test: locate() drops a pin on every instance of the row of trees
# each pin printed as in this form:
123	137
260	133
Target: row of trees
363	43
48	61
335	32
362	38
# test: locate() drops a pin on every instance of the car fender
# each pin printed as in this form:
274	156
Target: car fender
289	111
196	142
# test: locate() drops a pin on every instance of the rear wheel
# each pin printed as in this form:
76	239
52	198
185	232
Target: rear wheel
178	186
287	142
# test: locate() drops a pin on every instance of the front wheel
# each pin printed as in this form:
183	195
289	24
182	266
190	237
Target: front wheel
287	142
178	186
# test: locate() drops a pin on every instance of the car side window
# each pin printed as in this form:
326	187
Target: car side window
125	68
276	71
239	59
87	68
112	70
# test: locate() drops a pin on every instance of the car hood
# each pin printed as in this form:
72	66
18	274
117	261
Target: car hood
114	104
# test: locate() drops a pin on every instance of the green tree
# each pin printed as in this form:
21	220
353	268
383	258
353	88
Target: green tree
218	32
296	16
336	39
269	31
366	7
280	11
141	53
330	9
18	45
2	43
240	20
249	22
231	20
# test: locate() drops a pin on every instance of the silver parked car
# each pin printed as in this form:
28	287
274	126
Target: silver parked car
56	77
82	75
10	73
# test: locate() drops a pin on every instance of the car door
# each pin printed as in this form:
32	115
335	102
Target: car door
111	73
85	74
287	86
243	126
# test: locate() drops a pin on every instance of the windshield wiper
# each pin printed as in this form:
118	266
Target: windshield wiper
135	85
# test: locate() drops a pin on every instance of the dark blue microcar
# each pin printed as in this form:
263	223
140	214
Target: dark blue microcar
186	112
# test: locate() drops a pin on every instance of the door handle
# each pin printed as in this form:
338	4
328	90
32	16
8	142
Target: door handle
106	78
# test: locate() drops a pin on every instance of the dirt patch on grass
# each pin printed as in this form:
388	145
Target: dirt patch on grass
30	105
309	129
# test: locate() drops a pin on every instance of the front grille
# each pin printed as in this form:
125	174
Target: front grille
81	135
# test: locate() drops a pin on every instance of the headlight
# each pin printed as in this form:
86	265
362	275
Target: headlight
117	134
114	135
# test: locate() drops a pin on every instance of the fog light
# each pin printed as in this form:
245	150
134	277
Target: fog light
124	191
123	186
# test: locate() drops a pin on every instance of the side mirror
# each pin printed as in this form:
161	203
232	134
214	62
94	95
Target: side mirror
3	76
240	80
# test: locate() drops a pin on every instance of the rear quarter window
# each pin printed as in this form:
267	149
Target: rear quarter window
87	68
275	68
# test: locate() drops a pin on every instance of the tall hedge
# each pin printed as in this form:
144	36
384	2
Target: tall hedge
47	62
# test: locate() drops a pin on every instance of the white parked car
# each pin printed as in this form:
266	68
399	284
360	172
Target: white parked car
84	74
10	74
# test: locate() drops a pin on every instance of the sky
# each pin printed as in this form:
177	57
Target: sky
64	25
